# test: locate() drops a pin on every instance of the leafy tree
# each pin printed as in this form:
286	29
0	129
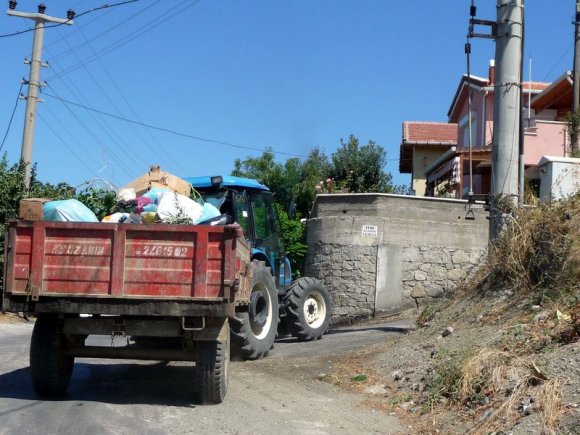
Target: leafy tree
315	168
293	234
293	183
360	169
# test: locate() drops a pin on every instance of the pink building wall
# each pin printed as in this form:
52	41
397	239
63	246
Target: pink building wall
548	138
478	106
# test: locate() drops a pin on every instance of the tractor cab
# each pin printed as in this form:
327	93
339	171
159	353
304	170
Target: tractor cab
250	204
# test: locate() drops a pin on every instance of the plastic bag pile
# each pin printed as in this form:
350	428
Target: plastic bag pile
157	205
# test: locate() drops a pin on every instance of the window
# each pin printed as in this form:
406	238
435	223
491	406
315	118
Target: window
464	126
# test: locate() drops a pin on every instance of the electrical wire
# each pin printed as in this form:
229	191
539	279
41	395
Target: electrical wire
11	117
108	31
154	150
109	131
95	137
58	125
105	6
128	38
167	130
71	149
558	62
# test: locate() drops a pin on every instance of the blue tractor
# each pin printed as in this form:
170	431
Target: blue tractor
277	304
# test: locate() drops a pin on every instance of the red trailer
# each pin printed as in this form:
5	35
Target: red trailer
170	288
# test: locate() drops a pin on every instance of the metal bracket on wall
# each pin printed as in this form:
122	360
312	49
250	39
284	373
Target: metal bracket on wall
472	204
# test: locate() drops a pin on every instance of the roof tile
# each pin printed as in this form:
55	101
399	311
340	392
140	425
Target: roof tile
429	132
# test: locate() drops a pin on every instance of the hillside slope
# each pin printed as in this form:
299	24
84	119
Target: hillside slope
501	356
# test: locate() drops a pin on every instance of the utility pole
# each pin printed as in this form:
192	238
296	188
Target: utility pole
506	113
33	82
576	77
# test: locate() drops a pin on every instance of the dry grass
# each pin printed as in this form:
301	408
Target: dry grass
511	385
551	406
540	250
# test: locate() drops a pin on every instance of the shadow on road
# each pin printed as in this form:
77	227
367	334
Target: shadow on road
287	339
156	384
381	328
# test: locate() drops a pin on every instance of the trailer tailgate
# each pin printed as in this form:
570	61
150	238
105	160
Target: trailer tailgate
120	260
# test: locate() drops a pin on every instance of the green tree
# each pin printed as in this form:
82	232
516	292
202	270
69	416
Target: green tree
293	182
293	234
315	168
360	169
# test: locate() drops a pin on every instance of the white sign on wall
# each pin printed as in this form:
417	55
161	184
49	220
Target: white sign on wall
370	230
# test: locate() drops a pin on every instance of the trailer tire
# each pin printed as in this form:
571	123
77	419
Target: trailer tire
211	371
254	332
51	369
307	304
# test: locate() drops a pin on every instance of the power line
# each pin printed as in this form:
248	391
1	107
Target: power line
11	116
95	137
110	132
75	48
167	130
112	80
128	38
62	126
71	149
558	62
105	6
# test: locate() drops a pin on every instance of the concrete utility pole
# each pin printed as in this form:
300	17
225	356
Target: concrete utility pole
576	78
34	77
506	113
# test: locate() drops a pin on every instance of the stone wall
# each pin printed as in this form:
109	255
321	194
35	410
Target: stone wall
381	254
349	274
431	272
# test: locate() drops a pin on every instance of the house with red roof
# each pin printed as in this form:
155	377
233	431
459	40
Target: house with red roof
448	175
422	144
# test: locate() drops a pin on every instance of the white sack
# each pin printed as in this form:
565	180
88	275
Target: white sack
173	204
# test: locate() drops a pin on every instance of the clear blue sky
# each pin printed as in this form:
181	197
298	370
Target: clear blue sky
290	75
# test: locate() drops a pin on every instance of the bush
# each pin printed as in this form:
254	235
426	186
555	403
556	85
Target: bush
540	250
12	190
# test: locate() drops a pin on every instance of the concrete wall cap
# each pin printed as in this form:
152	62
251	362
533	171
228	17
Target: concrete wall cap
391	195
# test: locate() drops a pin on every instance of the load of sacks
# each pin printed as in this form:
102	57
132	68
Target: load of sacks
157	205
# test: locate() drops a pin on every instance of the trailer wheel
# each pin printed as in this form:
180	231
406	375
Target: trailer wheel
307	304
211	371
50	368
253	332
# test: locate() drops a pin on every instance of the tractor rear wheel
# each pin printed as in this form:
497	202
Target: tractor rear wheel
253	332
308	306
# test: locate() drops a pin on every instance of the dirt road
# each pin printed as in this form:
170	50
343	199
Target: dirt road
281	394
